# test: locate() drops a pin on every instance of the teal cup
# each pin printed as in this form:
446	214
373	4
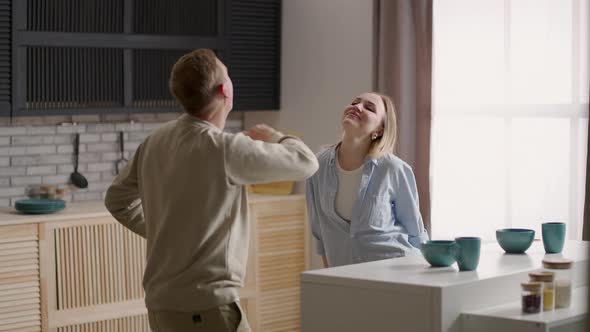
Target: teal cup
467	252
553	236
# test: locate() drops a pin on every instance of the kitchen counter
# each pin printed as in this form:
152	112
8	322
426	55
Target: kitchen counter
407	294
80	270
92	209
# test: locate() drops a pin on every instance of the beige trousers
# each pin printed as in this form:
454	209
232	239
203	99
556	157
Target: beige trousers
225	318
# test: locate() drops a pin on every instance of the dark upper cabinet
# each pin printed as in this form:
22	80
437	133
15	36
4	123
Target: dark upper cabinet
254	53
5	57
114	56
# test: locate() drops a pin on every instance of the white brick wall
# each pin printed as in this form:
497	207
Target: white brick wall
31	155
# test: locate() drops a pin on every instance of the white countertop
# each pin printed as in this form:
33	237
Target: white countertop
92	209
415	271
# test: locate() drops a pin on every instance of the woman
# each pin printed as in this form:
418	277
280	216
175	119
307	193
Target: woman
362	202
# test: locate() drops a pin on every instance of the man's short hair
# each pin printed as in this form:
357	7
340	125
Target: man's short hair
194	78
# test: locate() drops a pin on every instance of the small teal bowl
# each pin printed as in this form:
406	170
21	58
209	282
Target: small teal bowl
439	253
515	240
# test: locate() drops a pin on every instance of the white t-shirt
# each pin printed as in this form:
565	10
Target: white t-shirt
348	187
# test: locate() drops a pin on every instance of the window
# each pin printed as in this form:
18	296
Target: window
510	115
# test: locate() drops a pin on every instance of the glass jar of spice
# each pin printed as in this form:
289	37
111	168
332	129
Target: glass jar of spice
531	295
563	280
546	278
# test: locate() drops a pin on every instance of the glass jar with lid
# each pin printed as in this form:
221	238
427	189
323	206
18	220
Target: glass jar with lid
562	268
33	191
546	278
531	294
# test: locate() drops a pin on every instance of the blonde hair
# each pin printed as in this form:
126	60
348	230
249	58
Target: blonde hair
386	143
193	80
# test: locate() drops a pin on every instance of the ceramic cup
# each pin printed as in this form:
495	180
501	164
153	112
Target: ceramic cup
553	236
467	252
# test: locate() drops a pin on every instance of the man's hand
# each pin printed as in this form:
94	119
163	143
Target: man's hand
262	132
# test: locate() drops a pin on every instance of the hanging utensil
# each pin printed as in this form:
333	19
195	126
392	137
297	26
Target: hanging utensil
119	164
76	178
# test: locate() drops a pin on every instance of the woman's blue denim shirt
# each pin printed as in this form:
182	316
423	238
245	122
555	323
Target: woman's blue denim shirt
386	220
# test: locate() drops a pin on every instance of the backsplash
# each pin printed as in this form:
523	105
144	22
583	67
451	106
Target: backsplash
32	155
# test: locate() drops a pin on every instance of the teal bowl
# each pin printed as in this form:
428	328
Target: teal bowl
515	240
39	205
439	253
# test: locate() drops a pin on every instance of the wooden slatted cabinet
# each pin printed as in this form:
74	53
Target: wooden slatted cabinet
280	255
20	299
91	271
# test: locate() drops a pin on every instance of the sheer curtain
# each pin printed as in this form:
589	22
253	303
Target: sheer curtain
510	115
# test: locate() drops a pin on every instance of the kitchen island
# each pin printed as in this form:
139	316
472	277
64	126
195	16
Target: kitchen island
406	294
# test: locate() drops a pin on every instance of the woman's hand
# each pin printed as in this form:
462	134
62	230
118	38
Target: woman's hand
262	132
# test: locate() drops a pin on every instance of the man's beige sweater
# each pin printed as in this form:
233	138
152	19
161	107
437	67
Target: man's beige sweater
184	192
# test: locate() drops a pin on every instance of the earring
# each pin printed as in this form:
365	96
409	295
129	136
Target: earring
374	136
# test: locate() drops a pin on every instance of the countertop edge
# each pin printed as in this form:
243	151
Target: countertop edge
96	209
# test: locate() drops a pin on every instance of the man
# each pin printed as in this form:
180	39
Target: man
184	192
